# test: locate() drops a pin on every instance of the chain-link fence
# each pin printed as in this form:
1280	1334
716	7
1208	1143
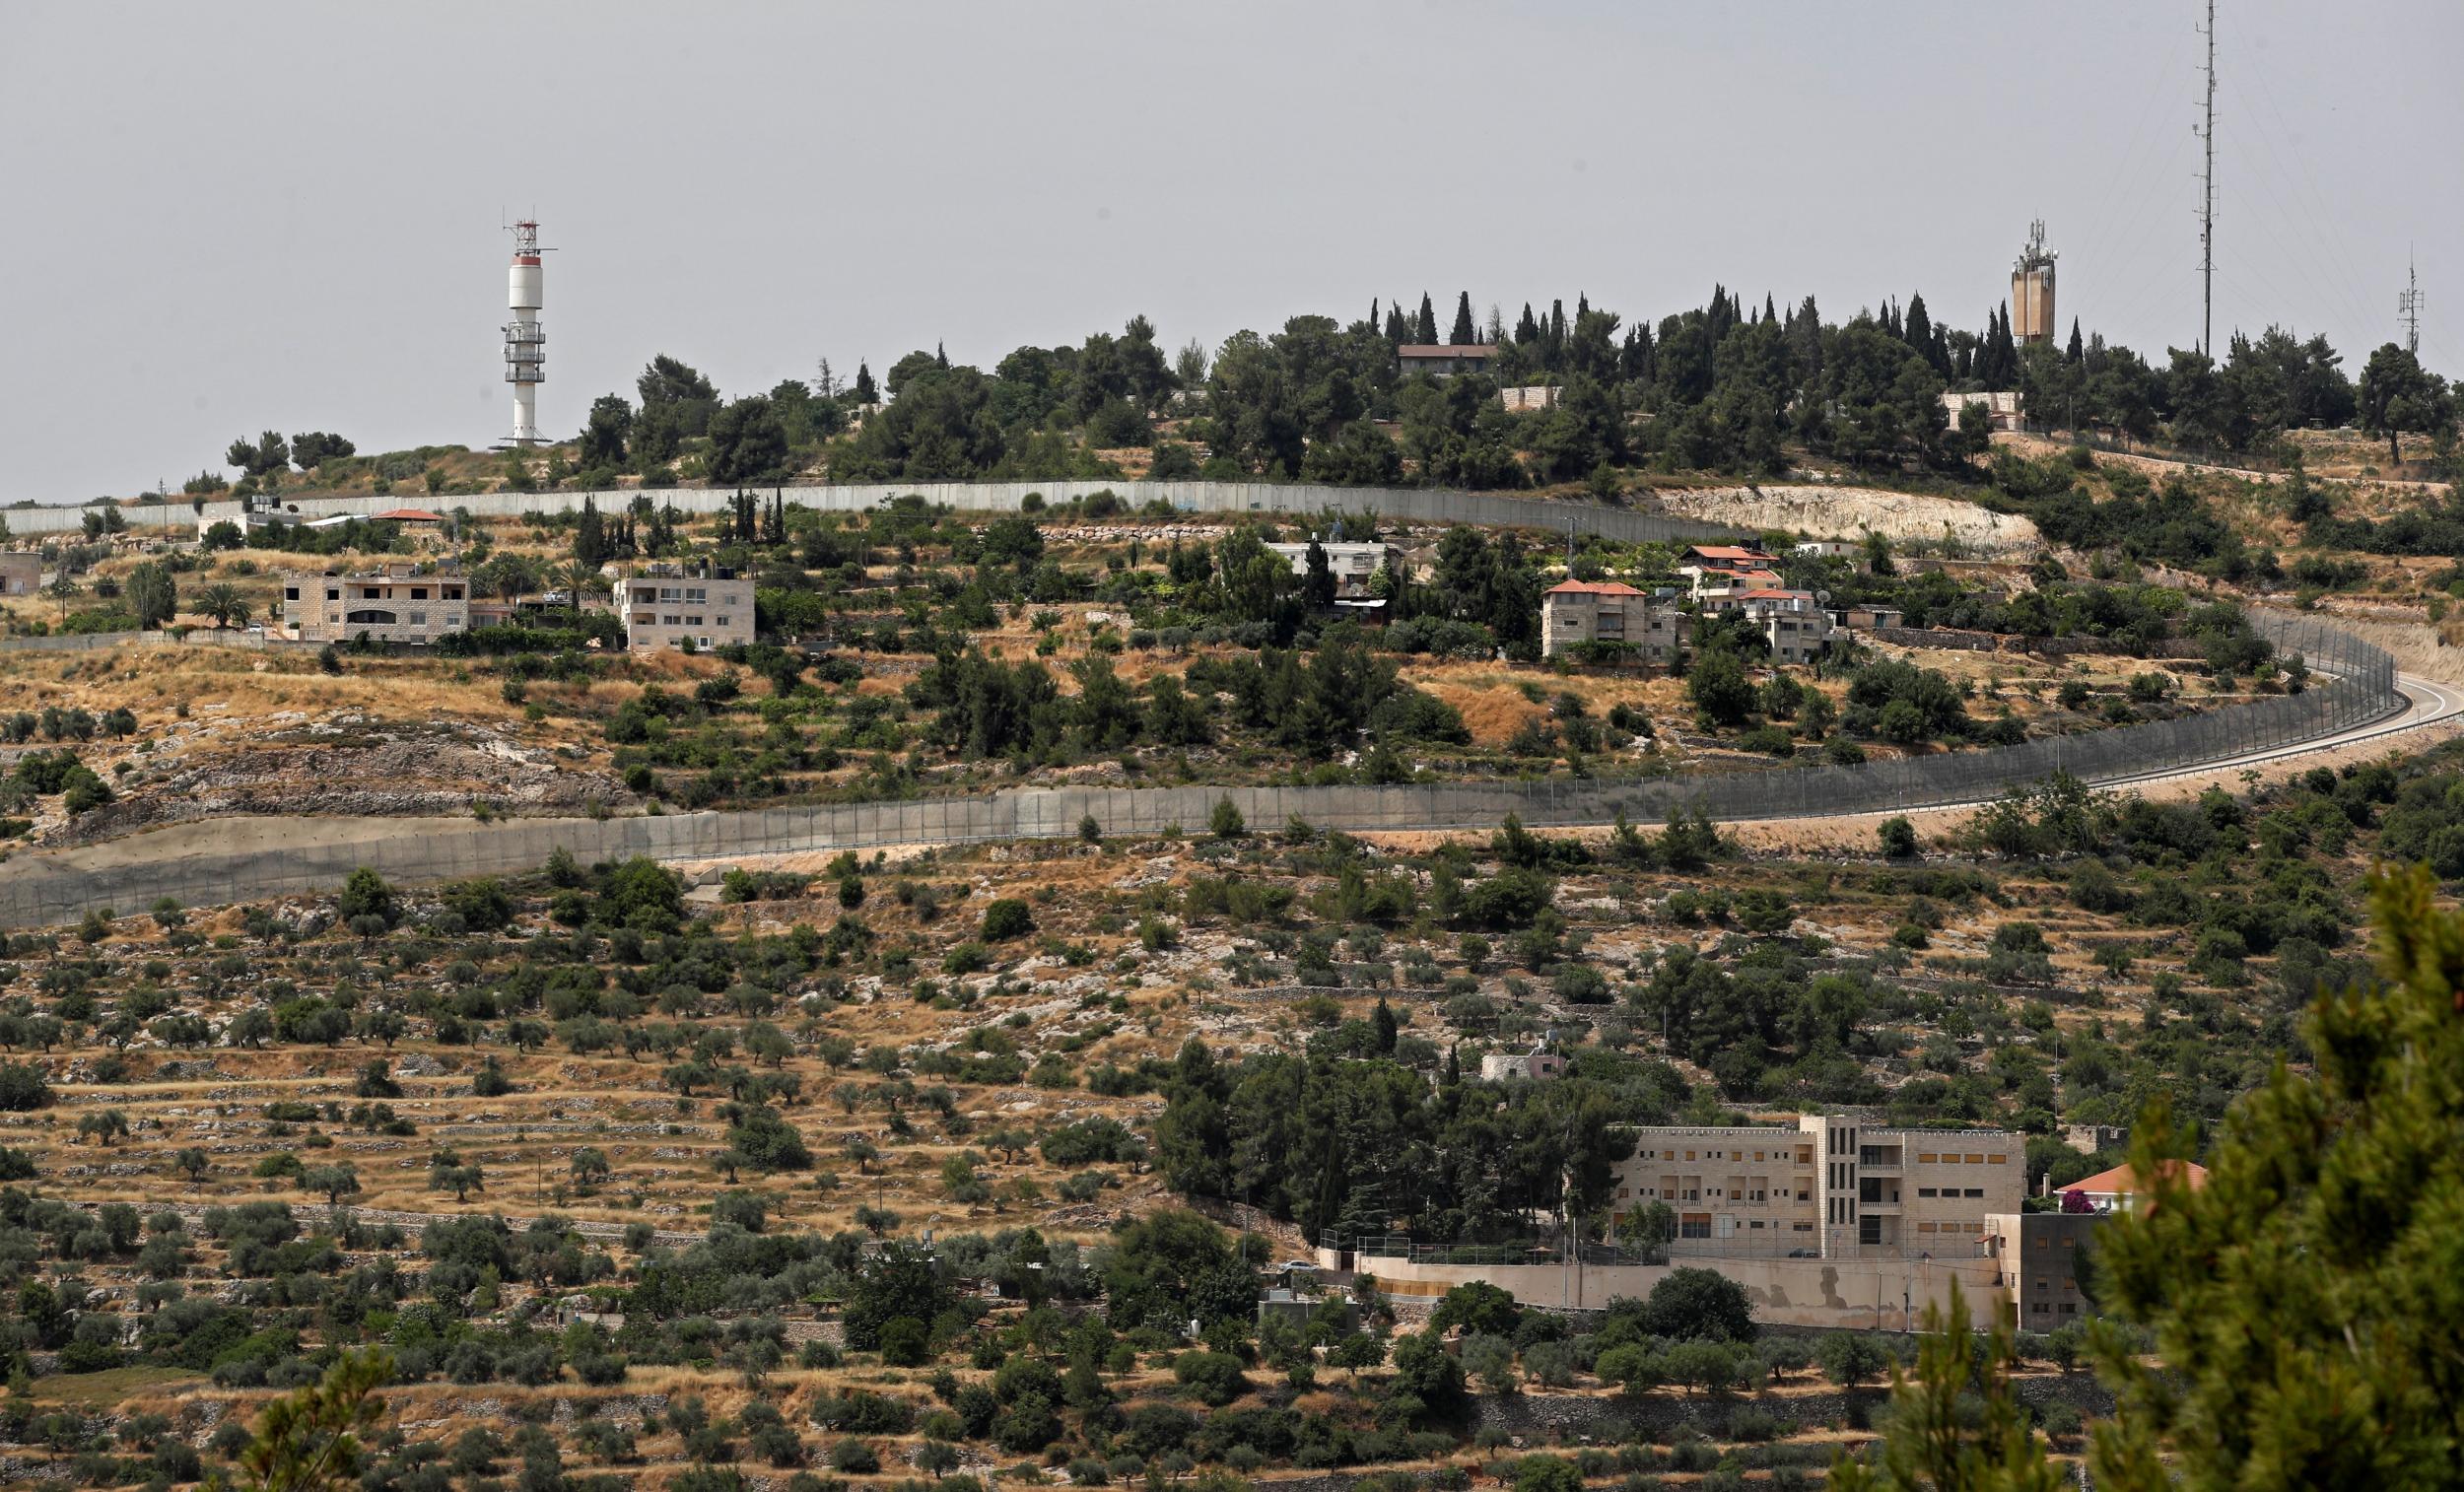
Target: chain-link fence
2351	684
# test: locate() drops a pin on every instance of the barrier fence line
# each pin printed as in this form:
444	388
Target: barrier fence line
2353	684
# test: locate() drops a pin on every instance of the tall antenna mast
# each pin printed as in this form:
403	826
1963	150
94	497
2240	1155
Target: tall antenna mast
2409	308
2206	204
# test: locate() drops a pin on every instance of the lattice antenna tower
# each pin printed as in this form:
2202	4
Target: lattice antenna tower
2206	131
2409	308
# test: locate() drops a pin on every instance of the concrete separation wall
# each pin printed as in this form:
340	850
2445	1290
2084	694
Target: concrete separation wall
1418	505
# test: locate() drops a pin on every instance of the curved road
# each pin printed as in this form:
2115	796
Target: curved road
214	862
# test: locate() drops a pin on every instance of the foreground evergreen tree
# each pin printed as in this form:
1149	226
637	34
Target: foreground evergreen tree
2306	1302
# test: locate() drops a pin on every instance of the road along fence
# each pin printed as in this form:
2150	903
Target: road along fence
2352	684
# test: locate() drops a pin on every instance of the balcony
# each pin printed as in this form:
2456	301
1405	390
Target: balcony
1879	1162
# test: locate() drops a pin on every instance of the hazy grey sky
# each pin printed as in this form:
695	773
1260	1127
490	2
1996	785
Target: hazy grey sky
228	217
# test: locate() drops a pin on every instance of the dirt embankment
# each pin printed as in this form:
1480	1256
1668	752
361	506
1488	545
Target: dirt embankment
352	769
1848	513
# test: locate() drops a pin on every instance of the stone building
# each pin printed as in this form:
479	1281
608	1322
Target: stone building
1578	612
1830	1188
21	572
669	605
398	603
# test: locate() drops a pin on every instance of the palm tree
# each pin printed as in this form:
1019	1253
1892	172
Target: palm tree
222	602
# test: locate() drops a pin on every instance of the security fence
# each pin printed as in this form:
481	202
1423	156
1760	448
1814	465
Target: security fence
2351	684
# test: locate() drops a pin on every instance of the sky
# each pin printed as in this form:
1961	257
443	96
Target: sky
233	217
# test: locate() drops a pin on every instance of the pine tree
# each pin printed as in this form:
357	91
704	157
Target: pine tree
1935	1440
1424	331
1463	333
1525	331
1398	330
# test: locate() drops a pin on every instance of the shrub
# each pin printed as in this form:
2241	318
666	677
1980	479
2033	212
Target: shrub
1008	918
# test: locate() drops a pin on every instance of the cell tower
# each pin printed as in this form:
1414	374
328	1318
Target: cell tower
526	344
2031	288
2207	202
2409	309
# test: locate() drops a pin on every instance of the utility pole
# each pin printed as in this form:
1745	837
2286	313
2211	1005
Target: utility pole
2206	204
2409	308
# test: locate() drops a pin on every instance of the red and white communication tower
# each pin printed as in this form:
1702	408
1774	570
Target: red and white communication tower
526	344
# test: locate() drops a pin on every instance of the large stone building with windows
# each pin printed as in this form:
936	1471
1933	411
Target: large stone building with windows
399	603
671	605
1831	1187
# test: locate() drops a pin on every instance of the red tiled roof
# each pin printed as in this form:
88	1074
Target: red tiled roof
1593	587
1446	350
1727	552
2123	1180
412	516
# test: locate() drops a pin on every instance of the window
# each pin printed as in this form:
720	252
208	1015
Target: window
723	621
2067	1241
1925	1191
334	593
418	592
1976	1191
1976	1160
291	593
1997	1160
1927	1160
419	619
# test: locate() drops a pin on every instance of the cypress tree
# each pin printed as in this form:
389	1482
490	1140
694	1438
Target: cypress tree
589	536
1398	331
1462	334
1424	331
1525	331
2078	351
865	391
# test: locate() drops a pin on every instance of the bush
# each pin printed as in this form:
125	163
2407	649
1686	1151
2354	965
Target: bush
1215	1378
23	1087
1008	918
1899	838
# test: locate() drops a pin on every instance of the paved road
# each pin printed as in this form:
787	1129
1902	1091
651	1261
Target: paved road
131	872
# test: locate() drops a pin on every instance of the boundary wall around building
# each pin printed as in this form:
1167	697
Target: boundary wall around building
1880	1293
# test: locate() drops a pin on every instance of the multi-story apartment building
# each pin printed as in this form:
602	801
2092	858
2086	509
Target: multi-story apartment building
398	603
1576	612
668	605
1831	1187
